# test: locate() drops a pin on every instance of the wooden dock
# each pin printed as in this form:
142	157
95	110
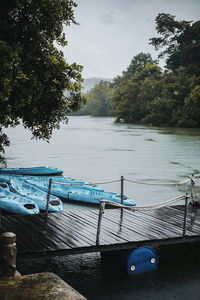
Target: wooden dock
75	232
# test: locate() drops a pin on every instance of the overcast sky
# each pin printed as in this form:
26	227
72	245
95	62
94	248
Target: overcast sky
111	32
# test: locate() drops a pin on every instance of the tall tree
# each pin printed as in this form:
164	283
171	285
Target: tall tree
135	88
180	43
33	72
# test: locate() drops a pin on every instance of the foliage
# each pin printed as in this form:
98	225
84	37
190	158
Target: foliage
135	89
145	94
99	101
180	41
33	71
178	104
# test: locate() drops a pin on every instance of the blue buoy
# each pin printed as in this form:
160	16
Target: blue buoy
140	260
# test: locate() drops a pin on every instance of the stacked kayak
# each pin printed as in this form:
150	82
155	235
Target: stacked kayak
94	196
14	203
35	171
33	184
22	188
78	192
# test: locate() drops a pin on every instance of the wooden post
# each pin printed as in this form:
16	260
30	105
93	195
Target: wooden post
122	189
8	253
101	211
185	215
48	195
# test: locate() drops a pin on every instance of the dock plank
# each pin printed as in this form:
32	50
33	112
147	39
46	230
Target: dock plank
124	227
18	228
127	223
75	231
176	217
162	227
89	229
109	229
65	224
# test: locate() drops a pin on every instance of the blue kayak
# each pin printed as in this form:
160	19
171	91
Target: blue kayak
16	204
34	171
8	177
81	193
39	197
94	197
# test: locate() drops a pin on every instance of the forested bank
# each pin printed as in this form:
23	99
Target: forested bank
145	93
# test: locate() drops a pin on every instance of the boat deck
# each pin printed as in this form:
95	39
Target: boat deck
75	232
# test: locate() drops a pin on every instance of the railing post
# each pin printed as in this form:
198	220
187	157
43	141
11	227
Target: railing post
193	192
101	211
48	195
122	189
185	215
121	219
8	253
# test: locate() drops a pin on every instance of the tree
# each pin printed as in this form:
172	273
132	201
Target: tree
166	108
137	63
99	103
180	43
135	89
33	72
178	104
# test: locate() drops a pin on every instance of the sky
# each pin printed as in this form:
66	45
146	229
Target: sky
111	32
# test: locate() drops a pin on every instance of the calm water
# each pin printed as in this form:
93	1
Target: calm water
96	150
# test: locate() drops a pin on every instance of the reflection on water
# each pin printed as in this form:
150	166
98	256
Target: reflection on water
96	150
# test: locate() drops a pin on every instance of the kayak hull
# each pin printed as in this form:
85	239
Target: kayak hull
39	197
86	194
34	171
16	204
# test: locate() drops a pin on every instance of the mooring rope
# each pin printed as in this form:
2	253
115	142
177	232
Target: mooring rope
161	184
145	208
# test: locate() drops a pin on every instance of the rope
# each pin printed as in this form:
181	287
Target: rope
145	208
129	180
161	184
95	183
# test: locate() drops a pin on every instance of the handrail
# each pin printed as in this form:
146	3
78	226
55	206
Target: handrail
160	184
90	183
142	208
147	207
190	178
122	180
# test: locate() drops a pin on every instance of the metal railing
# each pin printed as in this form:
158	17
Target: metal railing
137	208
122	180
103	202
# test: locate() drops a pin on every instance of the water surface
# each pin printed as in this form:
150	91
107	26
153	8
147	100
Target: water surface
97	150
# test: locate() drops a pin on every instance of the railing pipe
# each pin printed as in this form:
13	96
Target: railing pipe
193	190
101	211
185	215
48	196
122	189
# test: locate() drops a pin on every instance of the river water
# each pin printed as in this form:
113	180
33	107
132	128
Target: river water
98	150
